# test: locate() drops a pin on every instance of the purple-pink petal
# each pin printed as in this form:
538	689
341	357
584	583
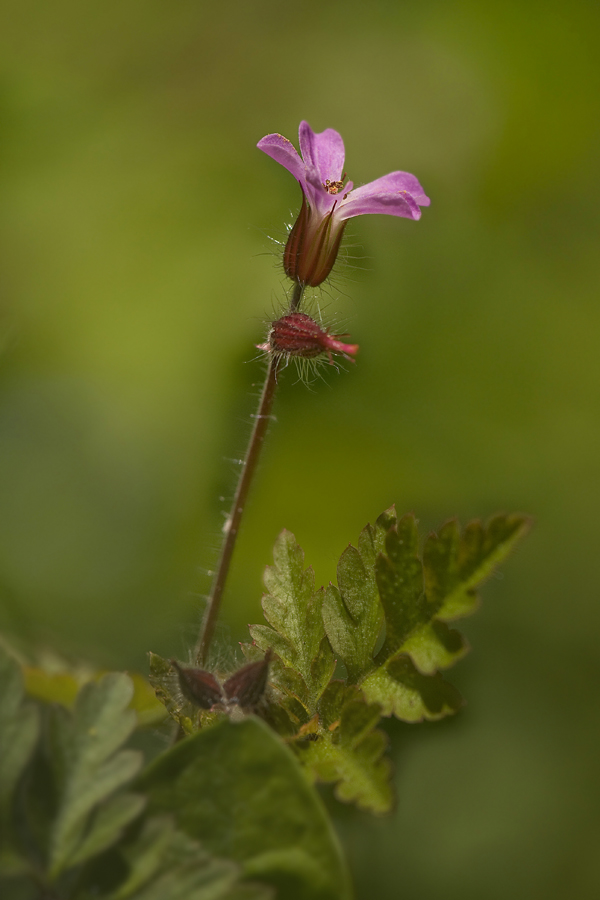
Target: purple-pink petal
283	151
324	151
393	183
398	204
318	198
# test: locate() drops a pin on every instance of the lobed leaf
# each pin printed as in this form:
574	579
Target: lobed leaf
455	565
434	646
89	763
19	734
19	730
399	575
418	597
352	611
108	825
292	608
387	593
349	751
401	690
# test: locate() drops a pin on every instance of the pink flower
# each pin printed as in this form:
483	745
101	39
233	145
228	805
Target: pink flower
328	201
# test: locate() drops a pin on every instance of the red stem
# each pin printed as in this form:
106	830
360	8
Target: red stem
259	431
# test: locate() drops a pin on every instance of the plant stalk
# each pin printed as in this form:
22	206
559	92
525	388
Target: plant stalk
232	525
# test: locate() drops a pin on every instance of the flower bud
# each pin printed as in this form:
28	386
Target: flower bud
297	334
199	687
247	686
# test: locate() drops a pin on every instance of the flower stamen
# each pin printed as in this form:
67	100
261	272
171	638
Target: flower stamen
334	187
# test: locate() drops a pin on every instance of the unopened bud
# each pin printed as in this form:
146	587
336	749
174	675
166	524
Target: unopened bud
199	687
247	686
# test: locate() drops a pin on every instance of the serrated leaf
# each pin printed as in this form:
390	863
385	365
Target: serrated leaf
292	608
455	565
399	575
417	598
352	611
240	792
19	731
332	702
266	637
349	752
401	690
91	765
386	580
435	646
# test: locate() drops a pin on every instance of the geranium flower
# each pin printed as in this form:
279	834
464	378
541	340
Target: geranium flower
329	201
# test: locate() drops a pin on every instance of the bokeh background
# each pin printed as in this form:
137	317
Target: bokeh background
138	272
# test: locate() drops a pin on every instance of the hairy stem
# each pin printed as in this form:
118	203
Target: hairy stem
259	431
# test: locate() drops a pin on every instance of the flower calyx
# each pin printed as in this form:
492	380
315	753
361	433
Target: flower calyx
298	335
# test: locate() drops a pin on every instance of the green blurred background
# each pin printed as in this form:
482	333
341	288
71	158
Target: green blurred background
136	276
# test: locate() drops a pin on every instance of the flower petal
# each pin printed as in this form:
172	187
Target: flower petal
393	183
399	204
318	198
325	151
283	151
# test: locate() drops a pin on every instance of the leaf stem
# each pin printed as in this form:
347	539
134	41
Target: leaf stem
232	525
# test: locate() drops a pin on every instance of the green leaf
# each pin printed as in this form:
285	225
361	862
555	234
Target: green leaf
434	646
240	792
109	822
63	687
166	864
19	731
399	576
418	598
90	765
349	751
352	611
384	585
401	690
456	565
146	856
293	609
51	687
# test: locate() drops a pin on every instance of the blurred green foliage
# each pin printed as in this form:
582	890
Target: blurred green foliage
136	278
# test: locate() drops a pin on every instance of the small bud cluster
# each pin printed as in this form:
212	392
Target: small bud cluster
244	689
298	335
